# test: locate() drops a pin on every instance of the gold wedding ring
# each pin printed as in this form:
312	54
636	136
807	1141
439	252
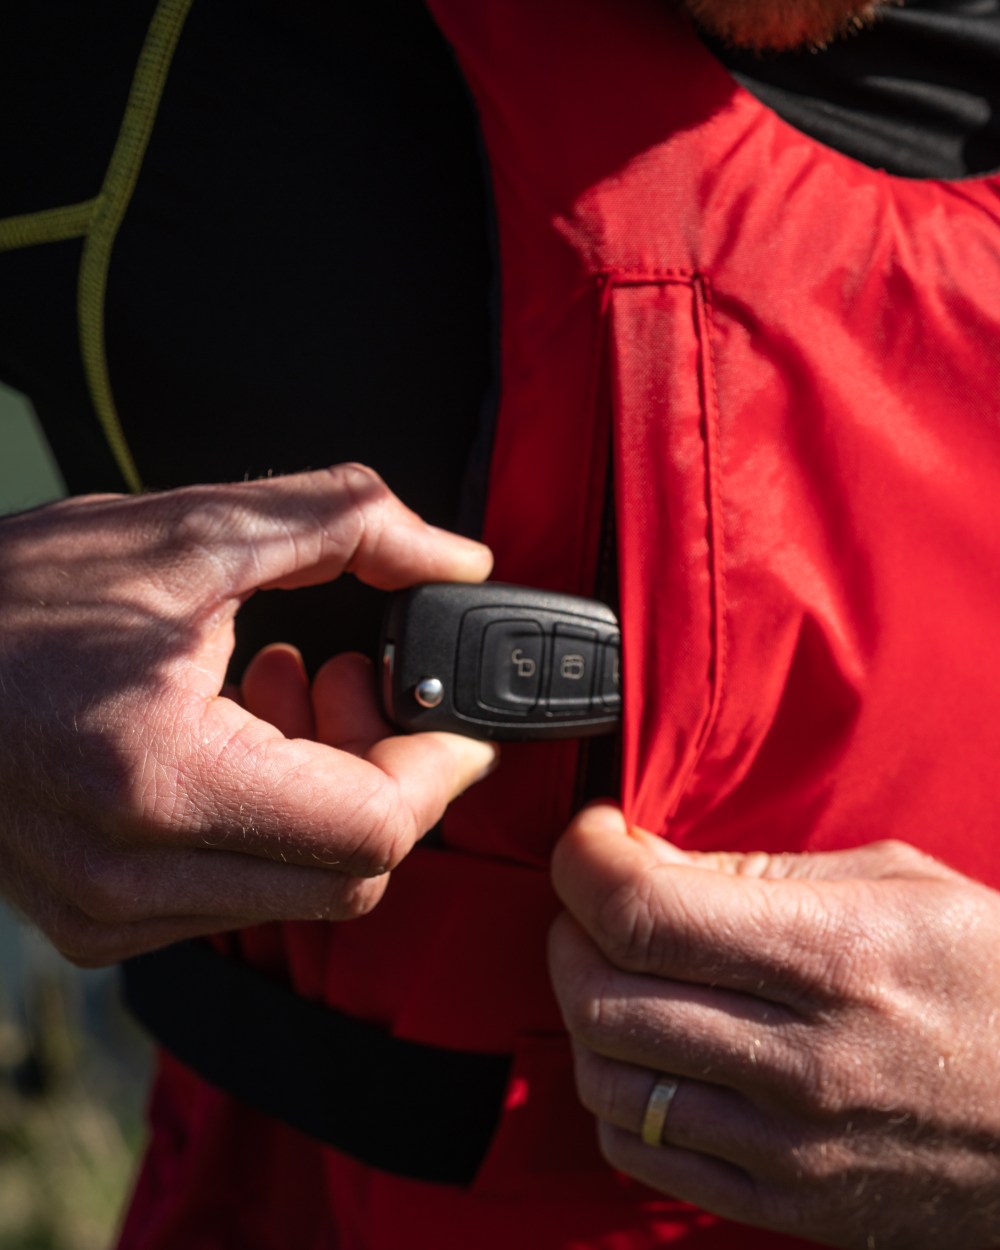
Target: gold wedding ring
657	1110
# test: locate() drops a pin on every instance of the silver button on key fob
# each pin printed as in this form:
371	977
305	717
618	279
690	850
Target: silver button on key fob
499	661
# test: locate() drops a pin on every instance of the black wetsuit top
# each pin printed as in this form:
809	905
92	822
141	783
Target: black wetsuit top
304	272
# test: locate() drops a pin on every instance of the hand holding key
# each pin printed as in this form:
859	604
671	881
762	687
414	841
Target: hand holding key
501	662
137	805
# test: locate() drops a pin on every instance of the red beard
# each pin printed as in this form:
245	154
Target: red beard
782	24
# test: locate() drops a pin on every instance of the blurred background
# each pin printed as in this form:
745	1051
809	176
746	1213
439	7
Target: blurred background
73	1067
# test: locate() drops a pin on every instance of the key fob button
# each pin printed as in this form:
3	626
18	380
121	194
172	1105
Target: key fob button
609	691
510	674
572	678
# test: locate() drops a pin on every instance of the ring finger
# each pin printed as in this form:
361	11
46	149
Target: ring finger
703	1117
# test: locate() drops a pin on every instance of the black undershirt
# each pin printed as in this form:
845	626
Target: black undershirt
917	94
304	273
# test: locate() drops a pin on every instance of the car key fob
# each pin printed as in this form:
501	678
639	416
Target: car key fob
499	661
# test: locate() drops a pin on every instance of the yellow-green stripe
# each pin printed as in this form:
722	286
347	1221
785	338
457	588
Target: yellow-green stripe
51	225
112	203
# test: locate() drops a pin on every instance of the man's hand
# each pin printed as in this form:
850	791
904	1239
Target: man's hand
137	805
833	1021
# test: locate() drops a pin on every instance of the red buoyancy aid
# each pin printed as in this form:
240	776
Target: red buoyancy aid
795	360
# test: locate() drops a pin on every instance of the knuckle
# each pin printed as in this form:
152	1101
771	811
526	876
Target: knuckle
358	480
371	510
87	960
598	1084
107	891
614	1145
622	926
587	1010
387	832
358	898
821	1079
365	493
402	825
896	857
628	930
578	1014
197	525
84	942
840	952
196	518
68	930
816	1161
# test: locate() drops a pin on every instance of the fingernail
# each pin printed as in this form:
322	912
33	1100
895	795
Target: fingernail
660	847
604	816
479	759
473	548
491	761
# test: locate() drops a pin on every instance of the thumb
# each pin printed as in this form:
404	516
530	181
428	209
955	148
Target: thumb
871	862
600	849
725	918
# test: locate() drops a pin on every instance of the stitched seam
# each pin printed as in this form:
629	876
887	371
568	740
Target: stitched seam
112	203
714	536
718	607
49	225
716	527
600	442
643	277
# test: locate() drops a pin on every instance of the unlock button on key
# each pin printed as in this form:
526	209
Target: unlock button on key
510	672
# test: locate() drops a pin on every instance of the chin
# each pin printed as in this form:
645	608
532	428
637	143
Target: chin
779	25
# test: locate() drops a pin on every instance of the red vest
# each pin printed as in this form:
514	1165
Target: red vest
793	360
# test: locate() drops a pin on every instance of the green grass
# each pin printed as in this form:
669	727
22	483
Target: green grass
28	474
65	1168
72	1077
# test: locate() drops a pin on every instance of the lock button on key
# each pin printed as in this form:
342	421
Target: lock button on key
573	660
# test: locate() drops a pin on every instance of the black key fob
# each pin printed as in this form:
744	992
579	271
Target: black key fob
499	661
